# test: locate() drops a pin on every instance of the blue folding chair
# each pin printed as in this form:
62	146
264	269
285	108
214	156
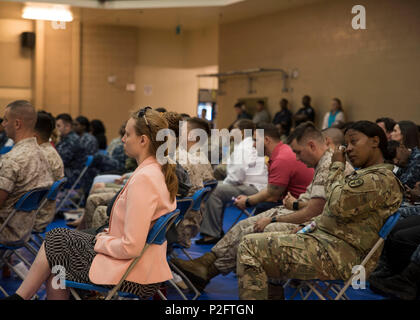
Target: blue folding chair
51	196
212	184
29	202
4	150
322	288
89	160
183	205
157	235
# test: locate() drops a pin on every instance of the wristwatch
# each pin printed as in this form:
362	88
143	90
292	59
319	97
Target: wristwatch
273	219
247	204
296	205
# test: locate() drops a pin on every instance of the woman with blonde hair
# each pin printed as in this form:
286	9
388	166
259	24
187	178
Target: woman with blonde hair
102	259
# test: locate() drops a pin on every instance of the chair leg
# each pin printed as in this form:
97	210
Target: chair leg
314	289
173	284
22	258
161	295
185	278
31	249
3	291
75	294
186	253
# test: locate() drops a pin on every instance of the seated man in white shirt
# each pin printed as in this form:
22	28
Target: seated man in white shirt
246	174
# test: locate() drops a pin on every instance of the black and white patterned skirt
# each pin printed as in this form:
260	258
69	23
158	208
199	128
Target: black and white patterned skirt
74	250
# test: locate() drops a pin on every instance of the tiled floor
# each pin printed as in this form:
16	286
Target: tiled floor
220	288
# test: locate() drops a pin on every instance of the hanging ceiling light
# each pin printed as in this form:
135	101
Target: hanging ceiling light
47	12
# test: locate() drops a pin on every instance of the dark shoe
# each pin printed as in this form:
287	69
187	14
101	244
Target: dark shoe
207	241
275	292
199	271
14	296
382	271
212	240
402	286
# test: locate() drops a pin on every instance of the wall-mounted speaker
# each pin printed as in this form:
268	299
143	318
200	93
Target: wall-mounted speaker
27	40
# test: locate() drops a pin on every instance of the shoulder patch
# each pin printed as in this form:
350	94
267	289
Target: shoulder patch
356	183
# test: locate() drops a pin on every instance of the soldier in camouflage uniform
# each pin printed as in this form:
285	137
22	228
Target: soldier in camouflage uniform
357	207
82	126
22	169
313	150
189	227
70	148
43	130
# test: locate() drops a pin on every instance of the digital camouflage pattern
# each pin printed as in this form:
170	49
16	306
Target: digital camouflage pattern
100	217
73	155
410	174
198	173
22	169
89	143
357	207
226	249
46	215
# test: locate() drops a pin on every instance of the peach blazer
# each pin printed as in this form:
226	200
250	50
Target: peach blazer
143	199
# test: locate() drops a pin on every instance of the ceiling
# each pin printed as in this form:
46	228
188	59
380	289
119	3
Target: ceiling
175	13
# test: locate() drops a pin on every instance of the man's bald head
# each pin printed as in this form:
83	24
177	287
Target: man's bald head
24	111
333	136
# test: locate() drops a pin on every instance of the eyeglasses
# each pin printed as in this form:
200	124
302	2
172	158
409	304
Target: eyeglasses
142	113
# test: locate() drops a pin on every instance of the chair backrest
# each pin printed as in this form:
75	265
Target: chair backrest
30	200
389	224
212	184
55	188
5	149
157	235
89	160
198	197
184	205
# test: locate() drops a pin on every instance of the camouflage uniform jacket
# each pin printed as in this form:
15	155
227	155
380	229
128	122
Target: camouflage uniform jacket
316	188
357	207
89	143
22	169
410	174
73	155
198	168
54	160
47	213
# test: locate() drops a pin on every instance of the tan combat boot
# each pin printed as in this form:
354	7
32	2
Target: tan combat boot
200	271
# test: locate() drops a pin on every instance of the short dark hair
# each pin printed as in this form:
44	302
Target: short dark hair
44	125
238	105
410	133
185	115
261	102
84	122
65	117
198	123
304	130
25	111
388	122
160	110
245	124
371	130
270	130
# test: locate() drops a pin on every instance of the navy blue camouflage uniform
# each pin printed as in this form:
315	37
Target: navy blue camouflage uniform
73	155
410	174
89	143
